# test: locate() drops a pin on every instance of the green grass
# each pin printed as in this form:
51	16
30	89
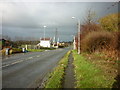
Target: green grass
87	75
56	77
16	50
35	50
40	50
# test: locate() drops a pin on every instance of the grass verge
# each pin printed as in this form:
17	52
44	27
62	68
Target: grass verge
88	75
40	50
35	50
56	77
16	50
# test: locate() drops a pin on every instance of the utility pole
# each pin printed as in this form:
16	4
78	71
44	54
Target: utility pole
56	35
74	43
78	36
78	26
57	39
44	31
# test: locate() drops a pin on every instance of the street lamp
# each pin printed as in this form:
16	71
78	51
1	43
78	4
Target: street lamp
78	33
44	31
74	43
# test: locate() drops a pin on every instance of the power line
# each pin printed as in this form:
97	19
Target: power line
111	6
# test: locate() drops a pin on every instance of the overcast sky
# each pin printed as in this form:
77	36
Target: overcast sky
26	19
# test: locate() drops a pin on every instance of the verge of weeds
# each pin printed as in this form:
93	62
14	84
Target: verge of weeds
88	75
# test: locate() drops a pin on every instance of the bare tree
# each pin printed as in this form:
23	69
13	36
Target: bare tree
90	16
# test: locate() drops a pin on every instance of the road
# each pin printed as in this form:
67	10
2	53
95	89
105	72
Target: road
28	70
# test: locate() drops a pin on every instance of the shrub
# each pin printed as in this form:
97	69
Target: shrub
16	50
87	28
118	40
96	41
115	44
3	52
110	22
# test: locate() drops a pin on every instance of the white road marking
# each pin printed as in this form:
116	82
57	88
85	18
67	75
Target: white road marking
5	65
38	56
30	58
12	63
17	61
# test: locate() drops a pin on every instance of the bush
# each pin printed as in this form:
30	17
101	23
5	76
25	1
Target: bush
87	28
3	51
118	40
110	22
116	43
16	50
96	40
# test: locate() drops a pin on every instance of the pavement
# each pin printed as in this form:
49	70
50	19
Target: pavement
69	78
29	69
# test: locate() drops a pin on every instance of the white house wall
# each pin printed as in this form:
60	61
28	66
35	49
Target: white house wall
45	44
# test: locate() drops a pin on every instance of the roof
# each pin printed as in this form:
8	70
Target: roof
45	39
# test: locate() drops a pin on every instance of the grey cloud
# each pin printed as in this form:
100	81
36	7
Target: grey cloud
27	18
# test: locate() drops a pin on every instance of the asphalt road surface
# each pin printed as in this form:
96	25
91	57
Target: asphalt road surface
28	70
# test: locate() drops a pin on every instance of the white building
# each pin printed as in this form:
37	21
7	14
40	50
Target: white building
45	42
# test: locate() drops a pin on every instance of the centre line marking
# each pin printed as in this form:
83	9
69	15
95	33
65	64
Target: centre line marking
30	58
